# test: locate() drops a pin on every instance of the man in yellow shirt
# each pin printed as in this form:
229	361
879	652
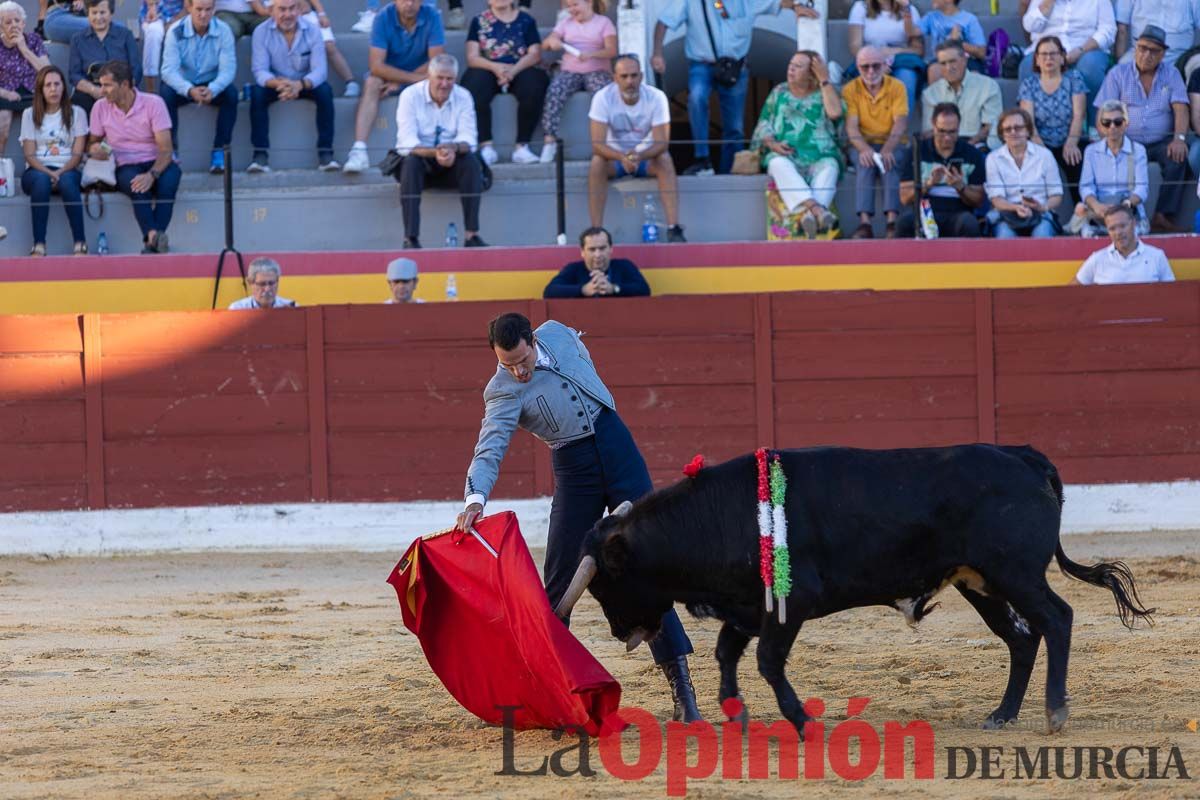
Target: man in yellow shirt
876	119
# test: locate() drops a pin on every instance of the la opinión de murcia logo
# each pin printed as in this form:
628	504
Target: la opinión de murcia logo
852	750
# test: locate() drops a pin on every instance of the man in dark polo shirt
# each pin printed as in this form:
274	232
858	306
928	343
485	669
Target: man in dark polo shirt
598	274
952	175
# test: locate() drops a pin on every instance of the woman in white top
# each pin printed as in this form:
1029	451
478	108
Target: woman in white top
890	25
53	134
1022	182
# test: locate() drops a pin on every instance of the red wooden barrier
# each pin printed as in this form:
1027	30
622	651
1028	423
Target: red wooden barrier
358	403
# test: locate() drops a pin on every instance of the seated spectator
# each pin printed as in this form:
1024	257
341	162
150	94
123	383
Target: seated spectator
53	135
404	38
402	281
598	274
1127	259
242	16
976	96
101	43
199	65
1057	102
504	52
262	276
631	133
797	134
876	119
288	60
21	56
137	129
948	23
314	12
893	27
1178	18
156	18
1114	173
1085	28
1158	118
437	136
952	174
64	19
1022	182
590	33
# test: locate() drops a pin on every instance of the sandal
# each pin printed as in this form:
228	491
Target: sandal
863	231
81	248
809	224
825	219
38	250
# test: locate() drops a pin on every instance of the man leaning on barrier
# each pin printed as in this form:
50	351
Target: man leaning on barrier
262	276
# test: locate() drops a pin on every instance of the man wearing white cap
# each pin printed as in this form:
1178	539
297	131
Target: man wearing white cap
402	281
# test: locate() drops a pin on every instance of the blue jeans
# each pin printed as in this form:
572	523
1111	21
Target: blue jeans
1043	230
36	184
592	474
260	121
1092	65
732	101
153	209
226	104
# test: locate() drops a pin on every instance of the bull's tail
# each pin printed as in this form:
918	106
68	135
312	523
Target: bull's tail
1044	466
1117	578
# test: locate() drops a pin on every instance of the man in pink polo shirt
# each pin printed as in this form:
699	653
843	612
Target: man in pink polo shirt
134	128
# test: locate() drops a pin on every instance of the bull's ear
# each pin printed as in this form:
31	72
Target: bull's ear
616	553
622	509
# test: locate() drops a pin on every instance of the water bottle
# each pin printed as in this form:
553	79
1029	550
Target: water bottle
929	225
451	235
451	288
651	222
102	244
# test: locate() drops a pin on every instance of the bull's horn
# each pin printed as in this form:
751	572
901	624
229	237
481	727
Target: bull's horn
583	576
633	641
622	509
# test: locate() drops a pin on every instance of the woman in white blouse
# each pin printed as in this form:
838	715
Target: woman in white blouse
1023	183
53	134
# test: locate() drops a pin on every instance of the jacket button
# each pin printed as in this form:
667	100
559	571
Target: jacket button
573	397
585	427
564	385
579	414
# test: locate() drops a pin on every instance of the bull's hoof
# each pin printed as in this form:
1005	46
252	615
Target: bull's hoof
736	711
1057	718
997	721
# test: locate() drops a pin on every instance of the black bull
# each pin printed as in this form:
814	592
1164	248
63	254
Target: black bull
865	527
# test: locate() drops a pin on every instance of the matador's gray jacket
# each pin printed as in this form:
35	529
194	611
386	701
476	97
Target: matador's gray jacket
554	405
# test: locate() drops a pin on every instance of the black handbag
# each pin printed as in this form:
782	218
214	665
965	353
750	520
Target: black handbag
391	164
726	71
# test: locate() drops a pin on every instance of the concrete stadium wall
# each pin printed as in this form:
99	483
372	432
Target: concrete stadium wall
375	403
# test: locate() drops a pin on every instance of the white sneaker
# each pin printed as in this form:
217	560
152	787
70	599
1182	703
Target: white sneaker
352	89
523	155
456	19
489	154
549	150
366	20
3	232
357	161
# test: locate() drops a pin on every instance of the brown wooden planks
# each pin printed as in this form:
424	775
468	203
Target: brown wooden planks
945	310
49	333
924	398
873	354
198	331
32	377
42	462
41	421
200	458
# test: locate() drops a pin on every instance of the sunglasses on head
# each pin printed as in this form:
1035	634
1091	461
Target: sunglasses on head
1109	123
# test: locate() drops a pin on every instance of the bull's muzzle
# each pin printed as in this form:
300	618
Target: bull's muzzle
583	576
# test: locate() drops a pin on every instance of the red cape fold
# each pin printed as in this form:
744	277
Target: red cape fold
489	633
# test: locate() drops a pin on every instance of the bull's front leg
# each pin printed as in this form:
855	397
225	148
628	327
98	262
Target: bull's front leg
731	643
774	643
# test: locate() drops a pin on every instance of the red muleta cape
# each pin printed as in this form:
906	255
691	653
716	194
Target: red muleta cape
489	633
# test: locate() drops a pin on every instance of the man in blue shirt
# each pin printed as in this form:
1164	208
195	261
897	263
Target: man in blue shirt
404	37
199	64
1158	118
729	25
598	274
288	60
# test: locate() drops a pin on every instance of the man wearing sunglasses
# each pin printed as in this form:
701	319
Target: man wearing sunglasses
876	119
1158	118
716	42
1114	173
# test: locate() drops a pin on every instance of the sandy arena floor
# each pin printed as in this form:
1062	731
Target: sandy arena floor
291	675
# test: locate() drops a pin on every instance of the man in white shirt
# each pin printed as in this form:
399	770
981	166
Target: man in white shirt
631	131
263	278
438	138
1128	259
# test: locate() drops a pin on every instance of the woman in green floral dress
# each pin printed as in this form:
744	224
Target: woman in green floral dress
797	135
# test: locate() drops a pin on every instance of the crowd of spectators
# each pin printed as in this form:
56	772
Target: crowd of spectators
1002	172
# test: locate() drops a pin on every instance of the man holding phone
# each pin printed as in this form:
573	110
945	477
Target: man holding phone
951	174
